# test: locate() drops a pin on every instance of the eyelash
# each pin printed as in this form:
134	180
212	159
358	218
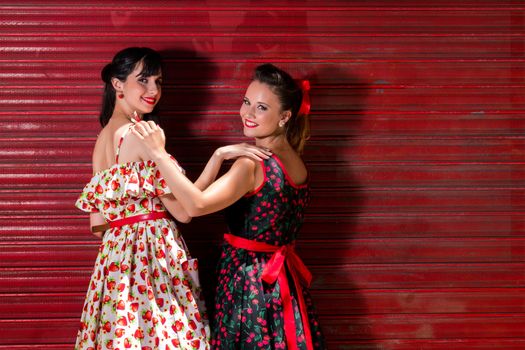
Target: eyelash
260	107
145	81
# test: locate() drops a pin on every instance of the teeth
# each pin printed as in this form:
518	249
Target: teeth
250	123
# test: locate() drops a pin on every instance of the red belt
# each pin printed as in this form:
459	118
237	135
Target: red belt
131	220
273	271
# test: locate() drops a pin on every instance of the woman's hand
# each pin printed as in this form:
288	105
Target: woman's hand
242	150
152	137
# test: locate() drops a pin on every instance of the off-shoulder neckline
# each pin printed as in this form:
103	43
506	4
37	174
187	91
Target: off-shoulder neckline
122	165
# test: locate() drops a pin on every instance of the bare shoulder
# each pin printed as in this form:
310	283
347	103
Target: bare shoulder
131	148
245	163
250	171
295	167
245	167
301	165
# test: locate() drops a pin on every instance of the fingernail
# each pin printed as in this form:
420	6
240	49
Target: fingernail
134	116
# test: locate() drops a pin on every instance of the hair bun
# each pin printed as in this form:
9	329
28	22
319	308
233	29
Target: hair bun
107	73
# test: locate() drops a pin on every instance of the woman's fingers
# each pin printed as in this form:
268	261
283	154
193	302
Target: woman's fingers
258	151
152	125
246	150
162	134
137	133
144	128
138	130
147	127
150	133
264	151
253	147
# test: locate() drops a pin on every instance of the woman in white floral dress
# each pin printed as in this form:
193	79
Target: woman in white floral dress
144	292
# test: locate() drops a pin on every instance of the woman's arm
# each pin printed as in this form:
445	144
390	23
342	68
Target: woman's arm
210	172
239	179
175	208
96	219
99	163
133	144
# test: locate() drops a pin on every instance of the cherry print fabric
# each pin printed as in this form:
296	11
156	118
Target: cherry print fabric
144	292
248	312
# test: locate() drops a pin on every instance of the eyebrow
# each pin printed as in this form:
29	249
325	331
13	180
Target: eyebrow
263	103
146	76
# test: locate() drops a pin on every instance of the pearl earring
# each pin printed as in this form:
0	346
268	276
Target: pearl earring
281	123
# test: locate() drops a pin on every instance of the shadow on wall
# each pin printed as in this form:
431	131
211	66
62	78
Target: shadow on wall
338	109
338	105
186	97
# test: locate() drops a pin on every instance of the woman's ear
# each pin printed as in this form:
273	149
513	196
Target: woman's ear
117	84
285	116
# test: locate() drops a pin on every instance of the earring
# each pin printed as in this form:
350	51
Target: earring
281	123
121	95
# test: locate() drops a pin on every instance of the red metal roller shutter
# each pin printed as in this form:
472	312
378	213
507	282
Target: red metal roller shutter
415	233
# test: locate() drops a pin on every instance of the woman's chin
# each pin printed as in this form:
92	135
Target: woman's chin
248	132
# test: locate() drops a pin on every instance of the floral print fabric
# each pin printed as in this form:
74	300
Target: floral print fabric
248	312
144	292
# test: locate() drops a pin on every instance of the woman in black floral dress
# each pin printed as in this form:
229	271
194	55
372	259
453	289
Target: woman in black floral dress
262	301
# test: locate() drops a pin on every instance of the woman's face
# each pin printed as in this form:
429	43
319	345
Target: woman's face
261	111
141	93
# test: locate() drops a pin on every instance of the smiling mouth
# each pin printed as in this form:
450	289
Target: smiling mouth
250	124
149	100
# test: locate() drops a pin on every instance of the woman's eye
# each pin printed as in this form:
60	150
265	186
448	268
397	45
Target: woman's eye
246	102
262	108
143	80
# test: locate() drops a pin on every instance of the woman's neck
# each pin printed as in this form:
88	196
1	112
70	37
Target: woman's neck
121	115
277	144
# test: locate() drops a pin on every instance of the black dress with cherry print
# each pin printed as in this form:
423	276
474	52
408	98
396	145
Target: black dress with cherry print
248	311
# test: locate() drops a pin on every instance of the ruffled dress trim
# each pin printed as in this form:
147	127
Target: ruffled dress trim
133	179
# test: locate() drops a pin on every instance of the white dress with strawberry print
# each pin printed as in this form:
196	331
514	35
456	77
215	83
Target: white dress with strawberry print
144	292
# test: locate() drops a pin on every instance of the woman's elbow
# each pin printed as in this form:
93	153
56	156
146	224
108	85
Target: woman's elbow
183	218
98	234
196	209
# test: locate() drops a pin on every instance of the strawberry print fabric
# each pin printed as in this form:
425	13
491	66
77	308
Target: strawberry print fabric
249	312
144	292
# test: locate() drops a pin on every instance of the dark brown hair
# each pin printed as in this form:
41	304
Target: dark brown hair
290	95
124	62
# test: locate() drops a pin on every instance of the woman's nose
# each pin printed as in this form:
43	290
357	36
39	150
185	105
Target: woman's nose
153	88
251	111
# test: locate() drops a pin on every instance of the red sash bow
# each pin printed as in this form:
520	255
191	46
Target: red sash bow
275	271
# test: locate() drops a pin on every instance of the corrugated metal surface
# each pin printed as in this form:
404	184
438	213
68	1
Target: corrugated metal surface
415	234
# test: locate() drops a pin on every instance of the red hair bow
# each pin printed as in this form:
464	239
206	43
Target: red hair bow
305	103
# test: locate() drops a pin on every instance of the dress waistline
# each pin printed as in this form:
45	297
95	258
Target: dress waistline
131	220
